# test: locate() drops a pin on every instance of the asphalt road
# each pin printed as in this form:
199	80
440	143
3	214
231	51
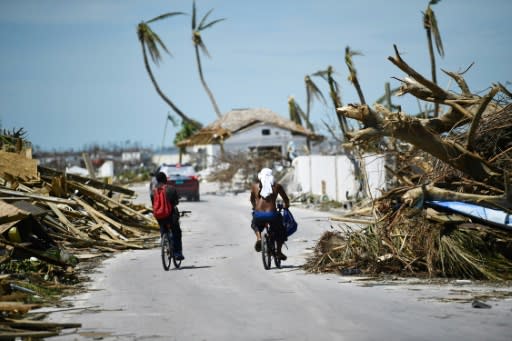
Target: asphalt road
222	292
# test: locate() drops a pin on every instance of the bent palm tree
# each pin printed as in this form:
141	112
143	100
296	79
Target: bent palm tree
430	25
199	44
150	42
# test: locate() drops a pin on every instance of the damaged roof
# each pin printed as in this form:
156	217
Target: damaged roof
239	119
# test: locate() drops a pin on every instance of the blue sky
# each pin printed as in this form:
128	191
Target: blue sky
72	73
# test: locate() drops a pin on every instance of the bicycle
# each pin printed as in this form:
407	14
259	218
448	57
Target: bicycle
168	248
269	246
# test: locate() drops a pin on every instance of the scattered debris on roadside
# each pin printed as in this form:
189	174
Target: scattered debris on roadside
54	227
449	212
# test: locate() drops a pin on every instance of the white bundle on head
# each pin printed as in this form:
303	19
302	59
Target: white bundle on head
267	180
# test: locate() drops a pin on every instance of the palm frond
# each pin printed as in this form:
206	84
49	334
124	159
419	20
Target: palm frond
164	16
202	22
150	39
194	16
323	74
313	91
348	61
327	75
203	48
294	111
161	43
211	24
437	34
304	117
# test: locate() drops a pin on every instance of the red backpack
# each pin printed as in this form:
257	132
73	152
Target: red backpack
162	208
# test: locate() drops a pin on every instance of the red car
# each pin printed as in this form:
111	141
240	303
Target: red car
183	177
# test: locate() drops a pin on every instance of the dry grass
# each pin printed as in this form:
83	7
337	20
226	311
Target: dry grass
408	244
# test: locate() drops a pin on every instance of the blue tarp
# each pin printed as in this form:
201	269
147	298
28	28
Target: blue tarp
494	216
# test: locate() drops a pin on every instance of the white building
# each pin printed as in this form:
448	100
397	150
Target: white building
131	156
244	130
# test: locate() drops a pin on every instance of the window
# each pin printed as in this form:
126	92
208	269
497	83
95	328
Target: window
265	131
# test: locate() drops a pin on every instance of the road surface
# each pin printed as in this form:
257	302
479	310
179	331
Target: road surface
222	292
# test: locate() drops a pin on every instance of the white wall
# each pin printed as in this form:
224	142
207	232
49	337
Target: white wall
158	159
337	173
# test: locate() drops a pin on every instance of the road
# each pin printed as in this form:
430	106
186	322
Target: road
222	292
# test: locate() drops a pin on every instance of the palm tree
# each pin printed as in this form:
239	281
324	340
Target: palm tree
151	42
430	25
334	94
199	44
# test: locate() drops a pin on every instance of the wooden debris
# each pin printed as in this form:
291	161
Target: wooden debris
17	165
58	219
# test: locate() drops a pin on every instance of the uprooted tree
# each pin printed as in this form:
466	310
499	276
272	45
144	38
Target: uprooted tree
456	136
464	154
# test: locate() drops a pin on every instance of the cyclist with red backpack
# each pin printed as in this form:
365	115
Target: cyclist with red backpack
165	200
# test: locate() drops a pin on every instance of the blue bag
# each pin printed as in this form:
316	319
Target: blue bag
289	222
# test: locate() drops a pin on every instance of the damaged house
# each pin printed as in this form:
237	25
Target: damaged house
250	130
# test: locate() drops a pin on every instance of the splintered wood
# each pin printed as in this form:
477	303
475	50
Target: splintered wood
53	221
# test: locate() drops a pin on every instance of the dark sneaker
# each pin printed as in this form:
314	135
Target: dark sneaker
282	256
257	246
179	256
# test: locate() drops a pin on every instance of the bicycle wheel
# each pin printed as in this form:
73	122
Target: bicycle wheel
166	252
266	252
177	262
277	260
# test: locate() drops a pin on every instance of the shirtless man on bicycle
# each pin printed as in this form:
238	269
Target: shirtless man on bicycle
263	199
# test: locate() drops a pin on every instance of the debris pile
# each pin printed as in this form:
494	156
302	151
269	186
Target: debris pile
52	226
449	212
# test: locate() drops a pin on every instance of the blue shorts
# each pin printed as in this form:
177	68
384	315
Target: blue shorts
266	215
274	218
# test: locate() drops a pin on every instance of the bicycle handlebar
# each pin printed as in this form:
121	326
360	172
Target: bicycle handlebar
182	213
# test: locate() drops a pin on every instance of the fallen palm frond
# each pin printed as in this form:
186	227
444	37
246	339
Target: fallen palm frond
414	245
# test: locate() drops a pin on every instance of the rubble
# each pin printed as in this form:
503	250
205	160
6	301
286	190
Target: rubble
461	156
53	226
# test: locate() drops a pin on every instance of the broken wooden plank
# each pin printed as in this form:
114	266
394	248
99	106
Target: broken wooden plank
87	181
40	325
17	307
353	220
103	198
62	218
18	165
10	213
26	335
36	196
88	165
445	218
98	215
33	210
